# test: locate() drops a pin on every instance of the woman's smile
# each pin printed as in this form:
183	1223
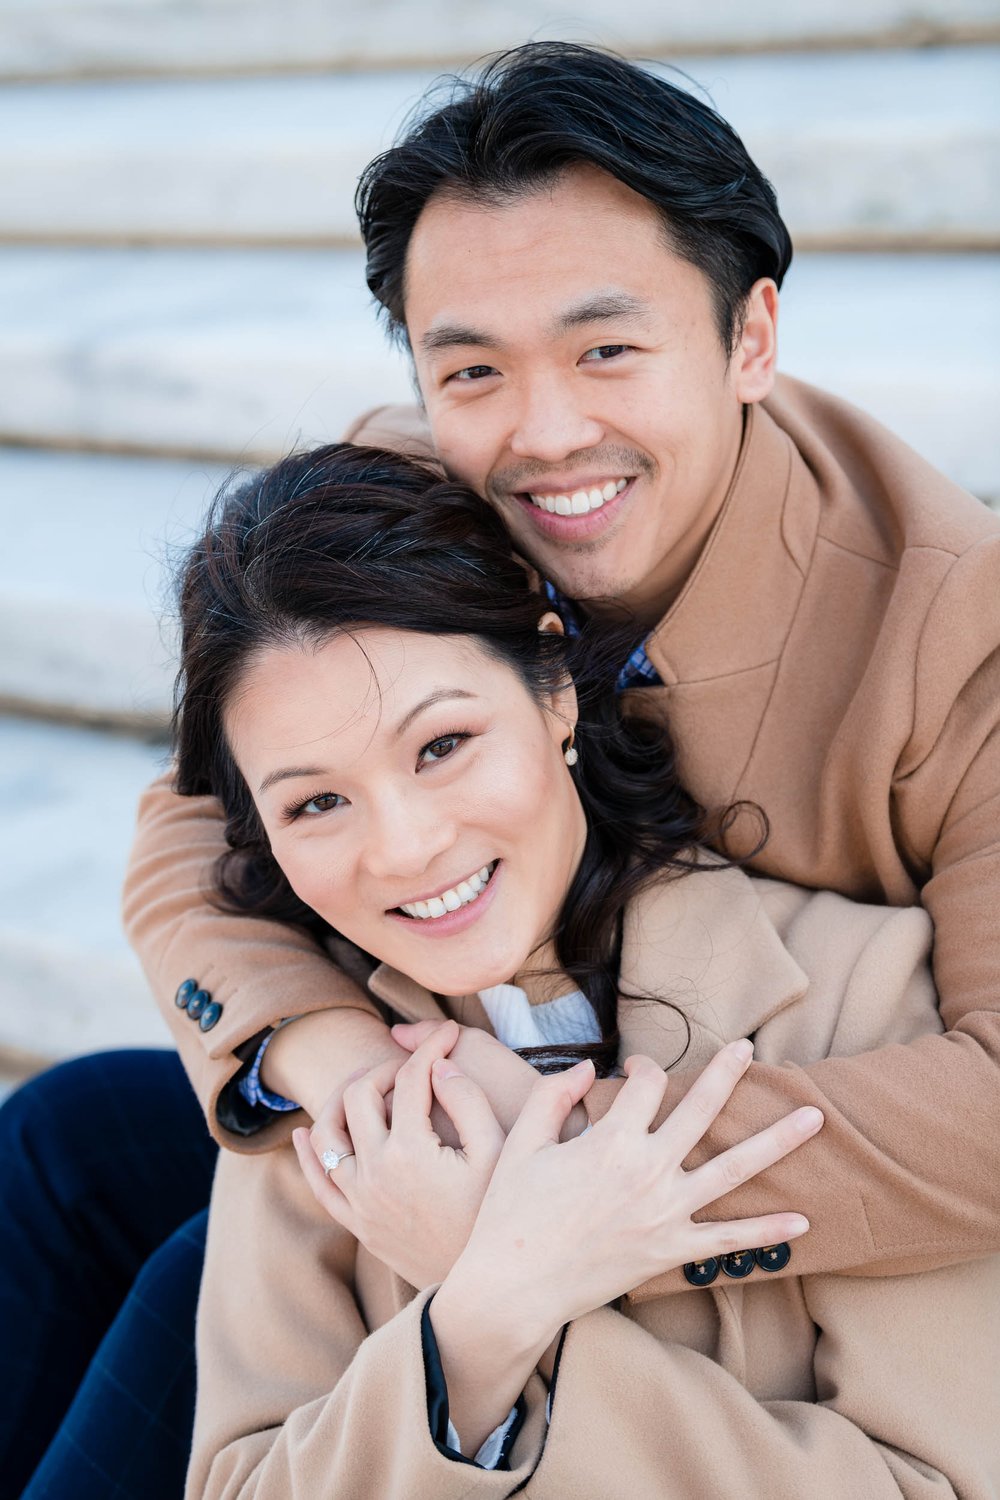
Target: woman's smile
455	908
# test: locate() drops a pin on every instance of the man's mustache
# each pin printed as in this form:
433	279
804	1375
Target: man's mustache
611	460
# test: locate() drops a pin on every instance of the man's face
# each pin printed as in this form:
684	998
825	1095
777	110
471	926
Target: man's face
570	361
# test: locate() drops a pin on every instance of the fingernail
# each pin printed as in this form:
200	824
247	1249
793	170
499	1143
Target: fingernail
443	1069
796	1225
744	1050
809	1119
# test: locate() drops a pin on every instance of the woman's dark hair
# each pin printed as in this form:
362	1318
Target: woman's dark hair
538	109
347	537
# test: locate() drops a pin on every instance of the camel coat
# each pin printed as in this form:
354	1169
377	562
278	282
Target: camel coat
835	658
818	1386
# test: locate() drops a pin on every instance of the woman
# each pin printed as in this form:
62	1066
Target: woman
414	760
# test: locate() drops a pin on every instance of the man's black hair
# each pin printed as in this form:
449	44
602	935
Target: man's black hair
546	106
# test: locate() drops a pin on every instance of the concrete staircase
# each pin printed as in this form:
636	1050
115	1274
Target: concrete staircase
181	289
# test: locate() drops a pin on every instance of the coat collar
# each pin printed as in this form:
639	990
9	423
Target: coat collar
737	607
704	942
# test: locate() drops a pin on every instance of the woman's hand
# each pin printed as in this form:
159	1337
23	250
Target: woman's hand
504	1078
410	1200
567	1228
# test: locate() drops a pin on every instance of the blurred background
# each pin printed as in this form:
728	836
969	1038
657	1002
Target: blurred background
181	290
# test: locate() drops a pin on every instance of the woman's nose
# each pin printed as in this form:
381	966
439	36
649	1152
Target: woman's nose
406	833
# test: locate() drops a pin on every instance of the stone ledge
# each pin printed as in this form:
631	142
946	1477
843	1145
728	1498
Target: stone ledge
46	38
251	354
906	146
68	981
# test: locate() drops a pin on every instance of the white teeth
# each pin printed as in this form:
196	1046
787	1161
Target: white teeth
460	895
581	502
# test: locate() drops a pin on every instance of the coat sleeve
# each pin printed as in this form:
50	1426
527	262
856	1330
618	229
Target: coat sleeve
905	1404
906	1172
255	971
297	1394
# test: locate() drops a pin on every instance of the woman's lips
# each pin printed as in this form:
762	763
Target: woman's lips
453	921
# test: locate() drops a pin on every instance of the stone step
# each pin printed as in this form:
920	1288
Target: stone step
230	353
862	148
68	981
85	580
45	38
236	354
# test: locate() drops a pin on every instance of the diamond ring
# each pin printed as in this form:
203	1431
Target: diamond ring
331	1160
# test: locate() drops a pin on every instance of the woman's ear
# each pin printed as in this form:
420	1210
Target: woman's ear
564	711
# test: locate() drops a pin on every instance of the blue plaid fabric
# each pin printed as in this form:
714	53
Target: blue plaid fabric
638	670
254	1091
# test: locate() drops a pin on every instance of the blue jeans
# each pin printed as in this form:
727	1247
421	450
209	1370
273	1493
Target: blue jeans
105	1172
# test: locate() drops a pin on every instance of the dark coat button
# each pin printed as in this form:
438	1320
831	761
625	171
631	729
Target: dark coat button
197	1003
773	1257
701	1272
185	992
738	1265
209	1016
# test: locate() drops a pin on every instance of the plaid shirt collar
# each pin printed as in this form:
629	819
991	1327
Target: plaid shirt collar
638	670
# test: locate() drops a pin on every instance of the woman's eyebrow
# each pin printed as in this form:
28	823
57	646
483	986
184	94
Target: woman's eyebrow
439	695
287	775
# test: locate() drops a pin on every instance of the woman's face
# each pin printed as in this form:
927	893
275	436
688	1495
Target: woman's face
415	794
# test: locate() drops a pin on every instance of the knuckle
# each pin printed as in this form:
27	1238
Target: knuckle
733	1170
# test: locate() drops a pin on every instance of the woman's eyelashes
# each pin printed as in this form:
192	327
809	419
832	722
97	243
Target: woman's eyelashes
311	808
441	747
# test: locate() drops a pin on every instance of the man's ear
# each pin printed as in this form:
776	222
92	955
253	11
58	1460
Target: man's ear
754	358
563	709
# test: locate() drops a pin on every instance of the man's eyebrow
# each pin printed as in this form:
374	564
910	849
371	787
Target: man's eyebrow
457	336
440	695
601	308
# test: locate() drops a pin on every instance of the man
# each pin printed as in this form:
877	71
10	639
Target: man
585	265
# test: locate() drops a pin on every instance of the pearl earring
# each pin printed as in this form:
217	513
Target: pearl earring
570	755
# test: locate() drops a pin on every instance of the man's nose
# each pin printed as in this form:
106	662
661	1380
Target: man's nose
407	831
551	422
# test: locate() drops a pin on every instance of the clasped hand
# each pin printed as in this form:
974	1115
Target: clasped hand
616	1204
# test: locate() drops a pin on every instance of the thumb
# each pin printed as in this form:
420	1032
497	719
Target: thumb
413	1034
467	1107
548	1106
